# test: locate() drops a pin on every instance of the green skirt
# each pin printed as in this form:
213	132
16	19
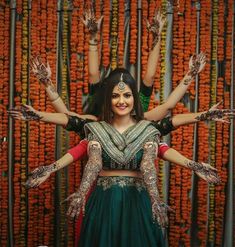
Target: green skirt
118	214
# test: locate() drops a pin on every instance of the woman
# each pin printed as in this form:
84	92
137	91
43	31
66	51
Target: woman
125	208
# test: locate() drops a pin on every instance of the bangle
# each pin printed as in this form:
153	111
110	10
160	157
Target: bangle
93	44
92	48
55	99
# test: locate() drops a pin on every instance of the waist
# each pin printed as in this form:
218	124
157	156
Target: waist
127	173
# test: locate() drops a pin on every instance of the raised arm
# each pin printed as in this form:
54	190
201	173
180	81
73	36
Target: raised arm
93	27
155	28
196	64
203	170
43	74
40	174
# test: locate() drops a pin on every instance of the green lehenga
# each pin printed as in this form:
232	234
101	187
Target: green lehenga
118	214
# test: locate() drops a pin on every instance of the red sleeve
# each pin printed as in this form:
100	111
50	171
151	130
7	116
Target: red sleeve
79	151
163	147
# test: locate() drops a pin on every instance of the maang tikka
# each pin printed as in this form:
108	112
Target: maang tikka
121	84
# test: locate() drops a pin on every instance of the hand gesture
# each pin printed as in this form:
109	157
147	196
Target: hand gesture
41	71
218	115
76	205
196	64
25	113
39	175
160	210
90	22
205	171
156	26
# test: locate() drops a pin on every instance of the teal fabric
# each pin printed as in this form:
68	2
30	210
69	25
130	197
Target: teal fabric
118	214
133	165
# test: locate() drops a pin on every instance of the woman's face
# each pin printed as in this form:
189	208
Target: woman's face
122	101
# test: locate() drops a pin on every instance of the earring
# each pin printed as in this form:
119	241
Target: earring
133	113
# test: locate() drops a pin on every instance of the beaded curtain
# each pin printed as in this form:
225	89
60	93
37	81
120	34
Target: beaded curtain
54	30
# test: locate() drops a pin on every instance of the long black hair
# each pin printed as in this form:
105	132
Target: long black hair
109	83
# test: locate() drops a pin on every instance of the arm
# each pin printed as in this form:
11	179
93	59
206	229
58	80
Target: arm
27	113
43	74
203	170
91	171
196	64
148	170
40	174
155	28
93	27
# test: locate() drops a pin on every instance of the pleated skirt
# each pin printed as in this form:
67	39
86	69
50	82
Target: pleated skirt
118	214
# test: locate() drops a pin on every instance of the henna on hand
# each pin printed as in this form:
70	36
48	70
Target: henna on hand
147	167
196	64
24	112
205	170
216	115
41	71
91	171
36	177
156	26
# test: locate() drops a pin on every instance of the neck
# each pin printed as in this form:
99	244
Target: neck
122	120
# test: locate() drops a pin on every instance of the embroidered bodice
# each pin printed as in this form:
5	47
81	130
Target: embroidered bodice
122	151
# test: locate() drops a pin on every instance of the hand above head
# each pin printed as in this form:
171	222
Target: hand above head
156	26
25	112
39	175
91	23
218	115
41	71
197	63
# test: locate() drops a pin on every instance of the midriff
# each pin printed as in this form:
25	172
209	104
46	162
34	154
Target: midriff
124	173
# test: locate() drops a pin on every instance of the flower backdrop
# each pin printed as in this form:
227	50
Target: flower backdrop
54	30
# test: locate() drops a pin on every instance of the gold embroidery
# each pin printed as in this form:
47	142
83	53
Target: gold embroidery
108	182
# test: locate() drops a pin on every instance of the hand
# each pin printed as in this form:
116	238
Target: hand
90	22
160	210
205	171
156	26
41	71
25	113
196	64
76	205
39	175
218	115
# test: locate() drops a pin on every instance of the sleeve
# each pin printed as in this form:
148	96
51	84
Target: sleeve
163	147
165	125
76	124
145	94
79	151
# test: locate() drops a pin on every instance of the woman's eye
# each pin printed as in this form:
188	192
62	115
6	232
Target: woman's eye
114	96
127	95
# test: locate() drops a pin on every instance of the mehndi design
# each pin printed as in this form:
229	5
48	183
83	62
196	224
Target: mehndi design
147	167
91	171
196	63
213	115
41	71
40	172
25	112
205	170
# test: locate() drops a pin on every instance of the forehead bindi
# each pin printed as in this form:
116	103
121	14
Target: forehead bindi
126	90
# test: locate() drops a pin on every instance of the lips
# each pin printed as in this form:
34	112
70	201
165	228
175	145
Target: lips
122	107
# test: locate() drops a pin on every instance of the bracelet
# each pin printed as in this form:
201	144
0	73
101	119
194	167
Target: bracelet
55	99
92	48
93	44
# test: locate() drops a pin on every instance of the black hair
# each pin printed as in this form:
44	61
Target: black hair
108	85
